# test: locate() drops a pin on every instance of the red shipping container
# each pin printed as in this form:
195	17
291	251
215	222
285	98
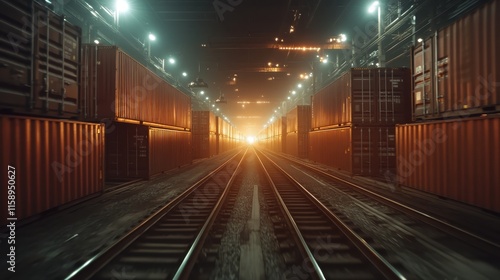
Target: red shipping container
298	125
364	96
169	149
204	129
40	67
273	137
456	71
368	151
457	159
139	151
117	87
54	162
203	122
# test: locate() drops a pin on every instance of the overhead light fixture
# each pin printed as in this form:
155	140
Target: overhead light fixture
121	6
221	99
198	83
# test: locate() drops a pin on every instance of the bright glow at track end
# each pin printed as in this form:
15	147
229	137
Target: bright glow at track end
250	140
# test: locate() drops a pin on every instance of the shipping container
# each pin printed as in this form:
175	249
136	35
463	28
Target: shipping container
226	136
364	96
203	145
115	86
204	133
139	151
298	125
458	159
203	122
456	71
49	162
39	57
282	135
273	136
368	151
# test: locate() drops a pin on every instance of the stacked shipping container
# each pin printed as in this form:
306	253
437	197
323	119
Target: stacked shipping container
139	151
273	137
40	57
298	125
456	71
227	136
353	120
115	86
156	117
204	133
358	150
55	162
371	96
455	77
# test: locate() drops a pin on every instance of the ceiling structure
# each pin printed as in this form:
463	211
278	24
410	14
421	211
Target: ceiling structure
254	53
234	46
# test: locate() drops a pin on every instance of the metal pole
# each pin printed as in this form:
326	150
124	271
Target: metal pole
380	26
149	49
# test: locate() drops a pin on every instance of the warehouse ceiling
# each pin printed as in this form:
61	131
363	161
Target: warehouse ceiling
233	45
245	51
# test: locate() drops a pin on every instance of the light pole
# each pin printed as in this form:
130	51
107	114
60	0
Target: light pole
381	58
171	60
121	6
151	37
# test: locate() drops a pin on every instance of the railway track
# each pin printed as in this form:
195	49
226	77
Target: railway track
331	249
370	197
166	245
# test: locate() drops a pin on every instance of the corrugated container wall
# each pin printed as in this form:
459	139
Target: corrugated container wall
364	96
115	86
139	151
457	159
368	151
456	71
273	137
168	149
51	163
298	125
204	134
226	136
40	57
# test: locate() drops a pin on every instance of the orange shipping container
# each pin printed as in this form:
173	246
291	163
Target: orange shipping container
40	57
115	86
368	151
138	151
364	96
457	159
204	134
298	125
52	163
456	71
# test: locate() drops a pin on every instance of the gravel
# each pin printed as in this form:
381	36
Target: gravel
421	261
228	261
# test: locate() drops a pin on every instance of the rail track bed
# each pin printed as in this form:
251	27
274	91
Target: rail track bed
331	248
166	245
418	238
